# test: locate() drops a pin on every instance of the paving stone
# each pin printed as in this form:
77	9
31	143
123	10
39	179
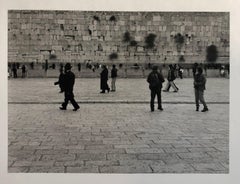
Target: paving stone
18	169
41	169
125	169
211	167
50	151
175	150
75	163
121	157
102	163
172	168
84	169
144	150
98	147
22	163
92	151
193	155
140	162
56	157
43	163
91	156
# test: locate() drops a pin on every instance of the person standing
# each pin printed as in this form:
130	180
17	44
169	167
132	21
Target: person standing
155	80
14	70
199	86
171	77
194	69
23	71
68	83
114	77
104	78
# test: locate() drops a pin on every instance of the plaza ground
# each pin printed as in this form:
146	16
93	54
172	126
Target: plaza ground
116	132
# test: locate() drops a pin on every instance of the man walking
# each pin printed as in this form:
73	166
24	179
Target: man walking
171	77
155	80
114	77
199	85
68	83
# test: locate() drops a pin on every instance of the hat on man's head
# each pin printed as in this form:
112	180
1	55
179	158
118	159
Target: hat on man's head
68	66
155	67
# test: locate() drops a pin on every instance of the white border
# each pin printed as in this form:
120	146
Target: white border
232	6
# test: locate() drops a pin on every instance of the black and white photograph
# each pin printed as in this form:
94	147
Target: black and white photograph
108	91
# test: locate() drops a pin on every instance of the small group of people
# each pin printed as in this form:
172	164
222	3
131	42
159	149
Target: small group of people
156	79
66	82
14	69
104	79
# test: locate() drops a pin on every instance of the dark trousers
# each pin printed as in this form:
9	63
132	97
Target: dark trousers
199	96
155	92
69	97
169	84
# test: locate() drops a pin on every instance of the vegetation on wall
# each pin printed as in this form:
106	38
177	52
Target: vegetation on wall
113	56
212	53
179	40
149	41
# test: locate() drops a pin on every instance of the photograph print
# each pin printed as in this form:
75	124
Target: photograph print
118	92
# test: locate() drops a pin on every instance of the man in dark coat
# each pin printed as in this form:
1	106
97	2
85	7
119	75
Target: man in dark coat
114	77
68	83
199	86
155	80
104	78
171	77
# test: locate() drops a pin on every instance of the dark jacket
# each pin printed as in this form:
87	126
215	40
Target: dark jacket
199	82
60	81
114	73
155	80
171	74
104	79
68	81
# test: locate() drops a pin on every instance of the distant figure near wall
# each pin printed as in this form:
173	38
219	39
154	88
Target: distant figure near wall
114	78
199	86
103	79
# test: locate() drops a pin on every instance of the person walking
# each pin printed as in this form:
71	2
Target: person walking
199	86
114	78
155	80
103	80
68	83
171	77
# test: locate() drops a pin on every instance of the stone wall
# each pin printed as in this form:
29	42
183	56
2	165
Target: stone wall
81	36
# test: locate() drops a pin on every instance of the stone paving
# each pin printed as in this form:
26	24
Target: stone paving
118	133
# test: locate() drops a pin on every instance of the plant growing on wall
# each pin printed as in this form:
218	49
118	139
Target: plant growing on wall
113	56
96	18
179	40
149	44
149	41
181	58
52	56
126	37
212	53
113	18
